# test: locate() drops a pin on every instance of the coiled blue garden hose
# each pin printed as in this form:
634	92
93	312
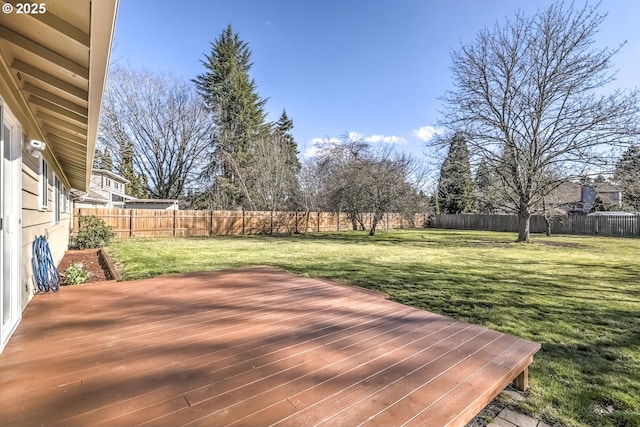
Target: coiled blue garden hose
45	272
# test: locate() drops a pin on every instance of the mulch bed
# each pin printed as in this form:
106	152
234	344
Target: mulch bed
92	261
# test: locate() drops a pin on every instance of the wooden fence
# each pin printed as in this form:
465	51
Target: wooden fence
596	225
157	223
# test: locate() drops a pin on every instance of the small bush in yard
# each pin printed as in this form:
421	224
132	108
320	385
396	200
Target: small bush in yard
92	233
75	274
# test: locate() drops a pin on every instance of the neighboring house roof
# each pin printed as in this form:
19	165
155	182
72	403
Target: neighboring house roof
574	197
610	194
110	174
568	193
54	66
152	201
91	196
606	187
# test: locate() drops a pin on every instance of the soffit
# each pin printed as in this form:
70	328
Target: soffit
51	59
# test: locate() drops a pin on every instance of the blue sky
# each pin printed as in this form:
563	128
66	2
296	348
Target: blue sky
374	68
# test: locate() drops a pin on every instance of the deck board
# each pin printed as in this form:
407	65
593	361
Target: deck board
254	346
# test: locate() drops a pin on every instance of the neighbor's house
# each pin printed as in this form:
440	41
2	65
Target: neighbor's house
106	190
571	198
53	66
610	194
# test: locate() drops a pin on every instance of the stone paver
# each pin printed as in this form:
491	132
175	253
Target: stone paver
501	422
518	419
510	418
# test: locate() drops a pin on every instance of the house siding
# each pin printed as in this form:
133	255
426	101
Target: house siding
37	222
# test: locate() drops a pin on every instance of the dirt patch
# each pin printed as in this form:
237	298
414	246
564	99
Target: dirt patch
560	244
91	260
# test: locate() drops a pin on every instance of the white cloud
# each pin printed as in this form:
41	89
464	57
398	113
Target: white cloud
354	136
427	133
316	144
386	139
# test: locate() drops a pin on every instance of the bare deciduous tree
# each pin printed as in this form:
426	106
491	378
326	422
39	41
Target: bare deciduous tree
311	194
272	182
352	177
530	96
161	123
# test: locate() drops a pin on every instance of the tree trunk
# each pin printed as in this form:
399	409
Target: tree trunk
374	223
548	224
524	219
547	217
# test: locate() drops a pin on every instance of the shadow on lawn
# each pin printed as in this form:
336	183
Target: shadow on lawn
436	238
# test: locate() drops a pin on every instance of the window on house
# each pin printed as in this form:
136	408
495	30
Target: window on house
107	182
56	199
65	200
43	187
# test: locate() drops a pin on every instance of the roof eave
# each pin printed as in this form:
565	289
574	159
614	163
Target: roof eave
101	37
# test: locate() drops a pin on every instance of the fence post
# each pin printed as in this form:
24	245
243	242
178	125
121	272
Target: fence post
271	223
243	222
131	216
338	222
296	226
77	224
174	222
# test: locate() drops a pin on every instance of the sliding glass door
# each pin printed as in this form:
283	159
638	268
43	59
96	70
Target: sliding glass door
10	207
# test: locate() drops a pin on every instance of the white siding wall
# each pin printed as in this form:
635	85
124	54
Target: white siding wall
98	187
105	186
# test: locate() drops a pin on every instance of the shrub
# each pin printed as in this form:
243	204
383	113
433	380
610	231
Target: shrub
75	274
92	233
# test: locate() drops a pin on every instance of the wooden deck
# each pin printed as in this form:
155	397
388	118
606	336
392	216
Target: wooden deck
248	347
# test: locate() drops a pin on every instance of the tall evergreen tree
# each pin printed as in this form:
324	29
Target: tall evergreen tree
627	175
485	184
137	185
97	160
230	94
103	160
455	186
283	128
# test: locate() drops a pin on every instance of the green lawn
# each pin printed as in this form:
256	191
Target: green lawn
577	296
